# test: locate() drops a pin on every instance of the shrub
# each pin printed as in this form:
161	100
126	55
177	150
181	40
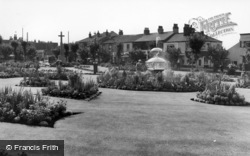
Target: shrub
34	80
221	94
231	69
76	88
166	81
23	107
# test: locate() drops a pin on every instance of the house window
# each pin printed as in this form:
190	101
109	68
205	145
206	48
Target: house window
110	47
128	47
170	46
247	44
199	62
235	62
205	61
208	45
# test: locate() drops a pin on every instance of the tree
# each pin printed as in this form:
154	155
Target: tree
74	48
137	55
173	55
94	48
218	56
119	52
84	55
66	53
6	50
19	54
104	56
31	53
24	46
195	42
56	52
15	44
1	40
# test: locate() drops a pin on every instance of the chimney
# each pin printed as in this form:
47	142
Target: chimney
90	35
160	30
186	30
146	31
202	33
107	33
176	29
120	32
98	34
15	37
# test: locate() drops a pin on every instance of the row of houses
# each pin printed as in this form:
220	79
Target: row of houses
147	40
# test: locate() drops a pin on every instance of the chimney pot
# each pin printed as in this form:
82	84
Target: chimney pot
176	28
120	32
186	30
160	30
146	31
107	33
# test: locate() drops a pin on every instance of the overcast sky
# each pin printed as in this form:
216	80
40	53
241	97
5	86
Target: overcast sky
44	19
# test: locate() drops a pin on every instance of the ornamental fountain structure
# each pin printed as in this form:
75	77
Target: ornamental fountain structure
156	64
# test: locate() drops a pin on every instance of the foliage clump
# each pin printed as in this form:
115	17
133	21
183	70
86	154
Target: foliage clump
23	107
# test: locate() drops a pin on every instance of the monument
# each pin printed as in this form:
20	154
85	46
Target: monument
61	56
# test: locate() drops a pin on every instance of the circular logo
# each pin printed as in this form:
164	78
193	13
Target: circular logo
8	147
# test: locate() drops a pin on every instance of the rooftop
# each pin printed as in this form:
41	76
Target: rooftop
123	38
102	37
153	36
181	38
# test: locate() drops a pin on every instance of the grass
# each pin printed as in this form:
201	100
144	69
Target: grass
145	123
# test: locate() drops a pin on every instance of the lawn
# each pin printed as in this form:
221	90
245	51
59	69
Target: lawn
131	123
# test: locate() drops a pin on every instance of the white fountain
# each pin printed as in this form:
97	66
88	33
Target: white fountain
156	64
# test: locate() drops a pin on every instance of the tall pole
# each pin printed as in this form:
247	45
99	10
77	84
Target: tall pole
27	37
68	37
22	33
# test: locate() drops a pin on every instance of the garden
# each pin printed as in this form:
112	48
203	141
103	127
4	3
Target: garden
21	106
147	81
24	107
76	88
221	94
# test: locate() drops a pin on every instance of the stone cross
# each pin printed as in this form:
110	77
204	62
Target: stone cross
61	43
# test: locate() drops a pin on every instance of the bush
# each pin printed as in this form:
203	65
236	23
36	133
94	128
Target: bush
244	81
76	88
166	81
231	69
221	94
61	74
34	80
23	107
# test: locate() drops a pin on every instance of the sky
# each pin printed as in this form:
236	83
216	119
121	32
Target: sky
45	19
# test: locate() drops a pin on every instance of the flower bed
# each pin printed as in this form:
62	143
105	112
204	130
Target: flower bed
244	81
25	108
61	74
167	81
227	78
221	94
4	75
35	80
56	76
75	89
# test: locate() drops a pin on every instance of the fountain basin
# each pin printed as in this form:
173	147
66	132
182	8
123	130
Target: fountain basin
156	64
